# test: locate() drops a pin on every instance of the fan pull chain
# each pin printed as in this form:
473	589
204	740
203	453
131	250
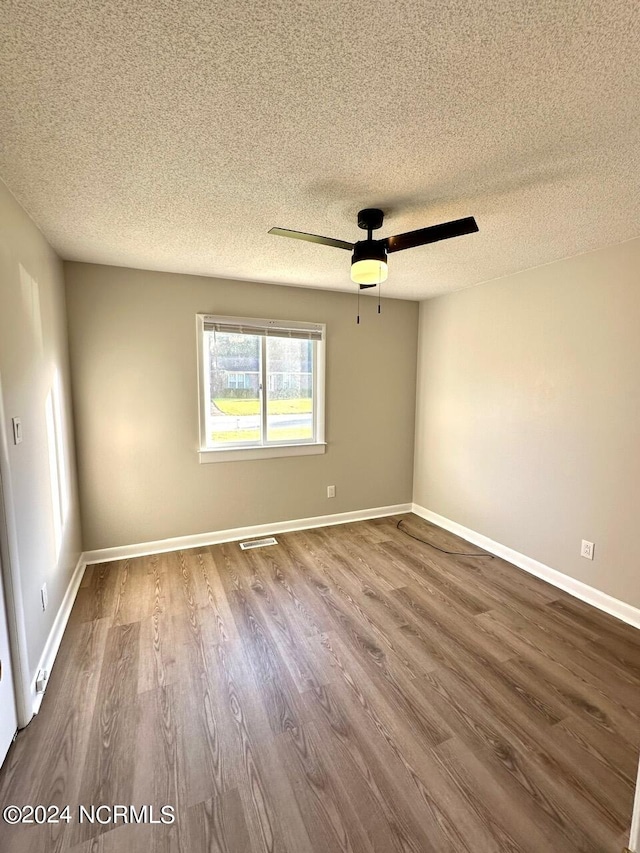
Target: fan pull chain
358	320
379	289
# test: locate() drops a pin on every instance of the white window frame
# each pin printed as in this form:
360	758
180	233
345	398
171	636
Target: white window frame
232	452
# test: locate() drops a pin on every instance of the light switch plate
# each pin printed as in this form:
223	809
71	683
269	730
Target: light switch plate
17	430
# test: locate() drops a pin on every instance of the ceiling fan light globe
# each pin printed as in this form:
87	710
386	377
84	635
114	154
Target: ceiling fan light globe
369	271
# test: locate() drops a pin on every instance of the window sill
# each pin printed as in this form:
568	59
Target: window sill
271	452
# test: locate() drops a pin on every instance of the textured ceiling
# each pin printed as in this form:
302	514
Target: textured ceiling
172	135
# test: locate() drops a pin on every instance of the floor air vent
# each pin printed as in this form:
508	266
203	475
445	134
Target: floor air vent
258	543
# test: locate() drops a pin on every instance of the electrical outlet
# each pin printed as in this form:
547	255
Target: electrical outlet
587	549
44	596
331	491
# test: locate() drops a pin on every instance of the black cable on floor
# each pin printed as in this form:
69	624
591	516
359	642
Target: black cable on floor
442	551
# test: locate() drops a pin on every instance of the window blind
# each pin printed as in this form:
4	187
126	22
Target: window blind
270	328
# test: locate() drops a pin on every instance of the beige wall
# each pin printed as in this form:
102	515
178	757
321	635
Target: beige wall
133	355
34	367
528	414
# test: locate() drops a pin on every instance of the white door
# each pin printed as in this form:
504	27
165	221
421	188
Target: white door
8	718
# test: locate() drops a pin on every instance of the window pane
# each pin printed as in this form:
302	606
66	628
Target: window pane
290	390
234	389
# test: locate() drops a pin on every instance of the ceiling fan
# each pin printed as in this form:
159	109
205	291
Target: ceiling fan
369	258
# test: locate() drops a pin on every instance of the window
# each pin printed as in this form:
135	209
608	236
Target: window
241	380
261	388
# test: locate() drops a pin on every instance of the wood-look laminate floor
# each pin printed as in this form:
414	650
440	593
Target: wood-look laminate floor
349	689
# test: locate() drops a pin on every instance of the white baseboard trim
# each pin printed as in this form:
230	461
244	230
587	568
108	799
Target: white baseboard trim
620	609
57	630
634	835
181	543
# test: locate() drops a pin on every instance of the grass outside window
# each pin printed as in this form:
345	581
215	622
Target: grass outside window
296	406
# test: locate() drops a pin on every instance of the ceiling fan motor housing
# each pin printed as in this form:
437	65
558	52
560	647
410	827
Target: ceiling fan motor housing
369	250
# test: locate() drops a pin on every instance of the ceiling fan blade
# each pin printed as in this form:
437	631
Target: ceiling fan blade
311	238
431	234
